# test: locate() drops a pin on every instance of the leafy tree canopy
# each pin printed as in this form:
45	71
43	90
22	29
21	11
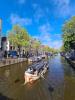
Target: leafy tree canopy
18	36
69	34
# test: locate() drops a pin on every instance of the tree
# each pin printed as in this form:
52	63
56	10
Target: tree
62	49
35	45
19	37
12	38
69	34
49	49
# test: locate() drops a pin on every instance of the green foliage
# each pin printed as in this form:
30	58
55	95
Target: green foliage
62	49
36	44
12	38
49	49
69	34
18	36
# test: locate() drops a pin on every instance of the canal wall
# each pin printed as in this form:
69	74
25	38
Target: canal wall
10	61
71	62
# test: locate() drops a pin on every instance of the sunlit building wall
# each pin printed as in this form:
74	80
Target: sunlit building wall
5	44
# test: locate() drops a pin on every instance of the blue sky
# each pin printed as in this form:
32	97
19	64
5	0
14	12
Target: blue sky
42	18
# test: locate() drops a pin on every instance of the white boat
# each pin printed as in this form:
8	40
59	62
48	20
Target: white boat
39	58
43	56
29	77
33	74
32	59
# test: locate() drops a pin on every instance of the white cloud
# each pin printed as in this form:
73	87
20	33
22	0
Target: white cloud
57	35
62	8
61	2
38	12
45	28
44	35
46	39
52	40
21	1
56	44
15	19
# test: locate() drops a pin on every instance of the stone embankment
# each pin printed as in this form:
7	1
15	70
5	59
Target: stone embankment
10	61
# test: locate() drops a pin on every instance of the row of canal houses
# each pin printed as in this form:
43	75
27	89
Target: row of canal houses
5	46
4	43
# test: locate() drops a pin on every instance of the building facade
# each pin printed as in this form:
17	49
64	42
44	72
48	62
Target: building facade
5	44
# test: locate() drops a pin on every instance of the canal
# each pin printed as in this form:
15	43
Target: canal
59	82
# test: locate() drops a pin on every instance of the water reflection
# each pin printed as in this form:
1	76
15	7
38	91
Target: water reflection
68	70
7	73
58	80
2	97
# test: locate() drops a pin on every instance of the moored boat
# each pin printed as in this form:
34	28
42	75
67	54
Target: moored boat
43	56
35	59
32	59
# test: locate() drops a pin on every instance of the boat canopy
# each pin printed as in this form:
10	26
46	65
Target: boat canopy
38	66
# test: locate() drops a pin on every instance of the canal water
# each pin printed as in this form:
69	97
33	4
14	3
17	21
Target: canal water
59	82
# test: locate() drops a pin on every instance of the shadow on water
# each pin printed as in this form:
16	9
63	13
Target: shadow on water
17	80
2	97
50	88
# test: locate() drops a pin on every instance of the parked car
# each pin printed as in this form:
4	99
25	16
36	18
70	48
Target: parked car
13	54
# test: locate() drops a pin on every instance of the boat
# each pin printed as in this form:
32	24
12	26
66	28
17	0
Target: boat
35	59
39	58
32	59
43	56
34	73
